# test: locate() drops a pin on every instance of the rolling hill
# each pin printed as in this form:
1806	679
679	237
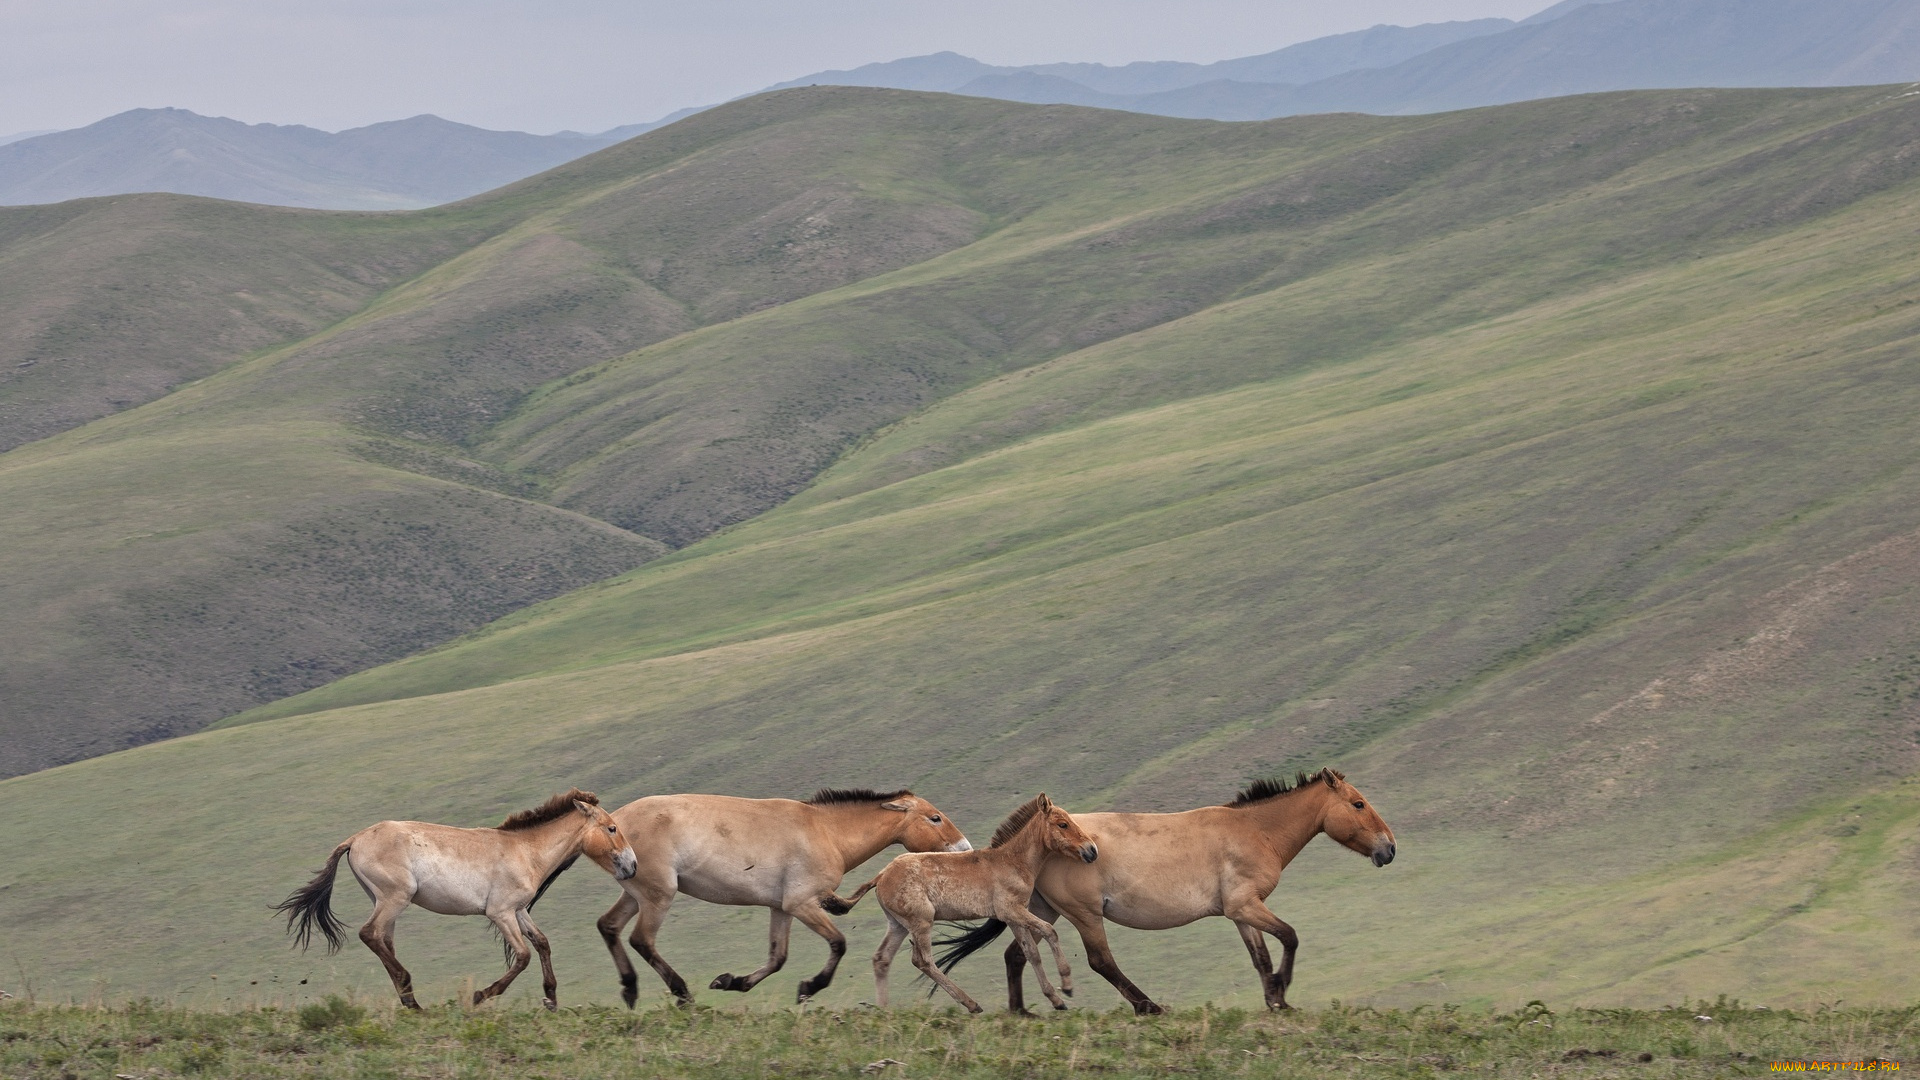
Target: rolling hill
1548	468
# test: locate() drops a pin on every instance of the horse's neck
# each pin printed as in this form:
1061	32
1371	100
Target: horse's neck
1291	821
1026	850
555	842
860	832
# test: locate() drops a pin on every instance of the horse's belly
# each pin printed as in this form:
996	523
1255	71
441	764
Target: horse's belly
751	887
453	895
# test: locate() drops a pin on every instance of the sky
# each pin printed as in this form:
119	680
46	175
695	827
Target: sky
585	65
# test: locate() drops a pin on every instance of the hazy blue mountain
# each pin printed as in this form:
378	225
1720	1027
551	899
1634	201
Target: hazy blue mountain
395	165
1306	62
18	135
1309	61
1573	47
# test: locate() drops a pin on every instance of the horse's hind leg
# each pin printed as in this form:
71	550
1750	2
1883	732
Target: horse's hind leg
610	925
1093	936
922	935
883	959
549	986
1252	919
516	947
779	930
810	913
377	934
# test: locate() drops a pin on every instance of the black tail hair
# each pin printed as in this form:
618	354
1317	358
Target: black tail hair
311	905
557	871
971	940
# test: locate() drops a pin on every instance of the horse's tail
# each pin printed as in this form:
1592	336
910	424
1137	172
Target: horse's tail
311	905
970	941
837	906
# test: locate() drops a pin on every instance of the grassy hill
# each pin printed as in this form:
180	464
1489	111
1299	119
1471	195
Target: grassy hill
1548	468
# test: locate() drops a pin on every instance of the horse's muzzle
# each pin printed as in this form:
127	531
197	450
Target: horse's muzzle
960	845
1383	854
1089	853
625	864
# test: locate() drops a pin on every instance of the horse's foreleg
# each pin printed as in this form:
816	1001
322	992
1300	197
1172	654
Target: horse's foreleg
1025	934
1093	936
815	919
922	935
549	986
654	903
883	959
516	947
1253	919
378	936
610	924
779	929
1016	957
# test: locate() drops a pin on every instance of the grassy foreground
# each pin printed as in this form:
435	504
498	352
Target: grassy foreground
340	1038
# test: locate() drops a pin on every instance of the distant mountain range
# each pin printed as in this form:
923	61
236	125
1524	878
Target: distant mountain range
402	164
1573	47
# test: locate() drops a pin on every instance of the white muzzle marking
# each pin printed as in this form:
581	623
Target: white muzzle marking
960	845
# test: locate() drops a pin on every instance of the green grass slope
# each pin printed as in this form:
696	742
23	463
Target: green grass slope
1563	494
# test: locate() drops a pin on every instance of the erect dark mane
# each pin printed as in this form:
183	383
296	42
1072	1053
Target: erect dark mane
828	796
1016	821
1262	790
558	806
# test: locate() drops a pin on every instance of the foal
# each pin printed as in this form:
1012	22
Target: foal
916	889
498	873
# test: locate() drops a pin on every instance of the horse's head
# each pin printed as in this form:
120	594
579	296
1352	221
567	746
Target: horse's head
1064	835
925	828
1351	820
605	844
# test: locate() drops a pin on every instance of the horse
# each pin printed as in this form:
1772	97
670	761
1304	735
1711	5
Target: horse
914	890
1158	871
500	873
779	854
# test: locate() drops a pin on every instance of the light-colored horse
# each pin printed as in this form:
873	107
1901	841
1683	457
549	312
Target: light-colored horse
916	890
498	873
779	854
1158	871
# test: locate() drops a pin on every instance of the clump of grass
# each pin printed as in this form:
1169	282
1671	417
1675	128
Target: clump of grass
338	1038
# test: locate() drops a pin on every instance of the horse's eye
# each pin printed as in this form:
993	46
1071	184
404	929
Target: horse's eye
935	818
1358	805
611	829
1062	824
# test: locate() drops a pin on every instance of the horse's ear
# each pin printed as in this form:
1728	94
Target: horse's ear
586	808
1332	778
1046	804
898	805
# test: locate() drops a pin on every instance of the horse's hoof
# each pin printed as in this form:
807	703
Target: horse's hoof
805	994
630	995
974	1009
1148	1008
1279	1006
479	996
730	982
1067	990
1062	1007
409	1003
1021	1011
552	1005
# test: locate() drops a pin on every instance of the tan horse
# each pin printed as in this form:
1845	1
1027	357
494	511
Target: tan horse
773	853
1158	871
498	873
915	890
